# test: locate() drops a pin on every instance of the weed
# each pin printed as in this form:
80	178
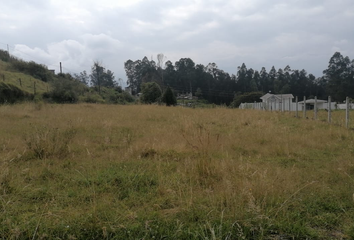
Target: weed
148	153
49	142
127	136
5	186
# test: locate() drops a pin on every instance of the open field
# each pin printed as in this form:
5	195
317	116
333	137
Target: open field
150	172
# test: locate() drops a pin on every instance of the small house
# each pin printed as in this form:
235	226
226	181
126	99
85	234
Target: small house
310	104
277	98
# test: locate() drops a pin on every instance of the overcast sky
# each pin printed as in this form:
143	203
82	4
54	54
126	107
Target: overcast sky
301	33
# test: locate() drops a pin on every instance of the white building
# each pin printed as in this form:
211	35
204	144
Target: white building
310	104
277	101
284	102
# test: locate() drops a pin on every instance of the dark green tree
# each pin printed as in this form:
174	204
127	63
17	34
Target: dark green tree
272	75
151	92
242	84
246	98
264	82
169	98
339	77
100	77
82	77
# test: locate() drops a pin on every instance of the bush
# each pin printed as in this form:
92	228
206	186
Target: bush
246	98
11	94
66	90
49	142
91	97
36	70
4	56
169	98
151	92
121	98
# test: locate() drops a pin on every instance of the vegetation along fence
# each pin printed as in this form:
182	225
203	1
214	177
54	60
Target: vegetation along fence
322	109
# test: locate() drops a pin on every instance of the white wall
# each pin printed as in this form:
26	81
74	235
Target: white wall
275	106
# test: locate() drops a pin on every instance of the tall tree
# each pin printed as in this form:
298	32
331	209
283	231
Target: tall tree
133	72
339	77
100	77
272	75
242	83
169	98
264	80
185	69
160	65
82	77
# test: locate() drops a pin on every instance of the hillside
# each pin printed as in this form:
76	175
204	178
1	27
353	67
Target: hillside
28	84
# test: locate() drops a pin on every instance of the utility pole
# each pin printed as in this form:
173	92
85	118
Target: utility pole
329	109
190	85
8	52
347	112
304	107
61	70
315	108
98	79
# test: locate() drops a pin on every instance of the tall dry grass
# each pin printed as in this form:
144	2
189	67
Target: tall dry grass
108	171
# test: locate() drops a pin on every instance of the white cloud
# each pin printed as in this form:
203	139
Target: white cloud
76	56
300	33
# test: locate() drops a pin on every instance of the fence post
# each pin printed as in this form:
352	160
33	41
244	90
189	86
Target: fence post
297	107
290	105
20	82
329	109
315	110
347	112
304	107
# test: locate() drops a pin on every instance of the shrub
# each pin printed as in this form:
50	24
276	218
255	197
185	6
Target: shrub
246	97
169	98
66	90
11	94
151	92
49	142
91	97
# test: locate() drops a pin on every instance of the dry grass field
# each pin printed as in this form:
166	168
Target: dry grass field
151	172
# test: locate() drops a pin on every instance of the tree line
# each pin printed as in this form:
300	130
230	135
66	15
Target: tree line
209	83
219	87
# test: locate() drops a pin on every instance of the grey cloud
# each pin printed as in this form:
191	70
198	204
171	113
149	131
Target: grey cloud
299	33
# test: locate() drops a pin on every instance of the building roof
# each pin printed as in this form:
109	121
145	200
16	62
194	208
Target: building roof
276	96
312	101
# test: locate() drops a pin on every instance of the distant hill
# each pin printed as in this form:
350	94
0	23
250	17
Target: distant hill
25	82
18	86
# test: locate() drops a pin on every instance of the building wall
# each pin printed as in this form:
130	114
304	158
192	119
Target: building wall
275	106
